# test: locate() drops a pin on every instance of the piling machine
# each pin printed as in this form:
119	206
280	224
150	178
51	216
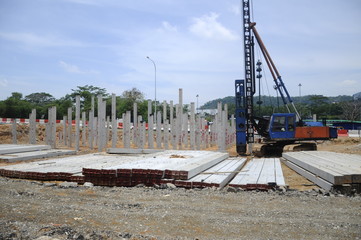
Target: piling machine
279	129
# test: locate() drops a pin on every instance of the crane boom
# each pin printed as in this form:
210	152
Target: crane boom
280	86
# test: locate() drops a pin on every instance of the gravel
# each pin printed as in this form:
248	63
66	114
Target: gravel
48	211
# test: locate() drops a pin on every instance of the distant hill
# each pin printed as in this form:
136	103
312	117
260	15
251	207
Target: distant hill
272	101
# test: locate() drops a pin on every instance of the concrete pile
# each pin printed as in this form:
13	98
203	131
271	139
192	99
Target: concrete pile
328	170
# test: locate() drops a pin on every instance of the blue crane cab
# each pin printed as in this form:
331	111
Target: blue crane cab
282	126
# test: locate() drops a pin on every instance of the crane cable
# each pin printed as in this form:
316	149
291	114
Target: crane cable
260	57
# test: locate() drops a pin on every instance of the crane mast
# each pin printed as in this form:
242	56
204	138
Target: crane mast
249	70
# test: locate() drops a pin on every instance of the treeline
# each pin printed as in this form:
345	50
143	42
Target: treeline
340	107
19	106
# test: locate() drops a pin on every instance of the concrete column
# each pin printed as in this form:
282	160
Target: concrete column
164	111
14	131
198	132
114	122
101	124
65	139
95	130
185	130
135	125
174	134
123	129
191	127
84	129
159	129
178	128
70	134
77	122
52	127
171	112
91	124
149	109
150	133
203	133
32	127
166	134
171	121
126	128
222	132
100	127
140	133
90	129
179	118
108	129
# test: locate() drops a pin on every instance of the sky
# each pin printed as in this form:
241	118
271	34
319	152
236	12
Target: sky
54	46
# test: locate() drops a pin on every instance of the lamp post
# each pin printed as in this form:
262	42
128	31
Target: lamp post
300	85
155	88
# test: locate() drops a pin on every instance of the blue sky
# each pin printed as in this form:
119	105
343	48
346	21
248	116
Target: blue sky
54	46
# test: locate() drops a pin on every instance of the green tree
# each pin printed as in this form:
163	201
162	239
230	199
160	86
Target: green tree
40	98
16	107
351	110
85	93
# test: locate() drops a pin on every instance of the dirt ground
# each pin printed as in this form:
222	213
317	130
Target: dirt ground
53	210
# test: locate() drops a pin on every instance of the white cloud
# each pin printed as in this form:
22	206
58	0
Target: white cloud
168	27
75	69
236	9
207	26
349	82
35	40
4	82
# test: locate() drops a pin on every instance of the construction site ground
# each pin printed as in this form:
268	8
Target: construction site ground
55	210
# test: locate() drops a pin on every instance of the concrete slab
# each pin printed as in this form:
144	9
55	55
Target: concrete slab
177	164
312	177
25	156
335	168
218	175
120	170
260	173
17	148
326	169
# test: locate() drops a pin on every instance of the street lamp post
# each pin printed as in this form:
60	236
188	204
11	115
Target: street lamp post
300	85
155	88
